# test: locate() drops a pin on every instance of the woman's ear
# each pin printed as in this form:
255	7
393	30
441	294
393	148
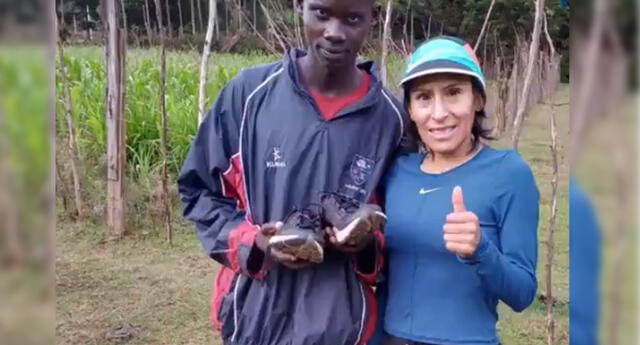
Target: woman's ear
478	101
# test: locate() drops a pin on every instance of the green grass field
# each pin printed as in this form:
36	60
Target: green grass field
165	290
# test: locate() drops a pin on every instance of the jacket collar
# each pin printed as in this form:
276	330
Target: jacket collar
291	68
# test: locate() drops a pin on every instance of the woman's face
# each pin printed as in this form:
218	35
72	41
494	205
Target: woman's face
443	107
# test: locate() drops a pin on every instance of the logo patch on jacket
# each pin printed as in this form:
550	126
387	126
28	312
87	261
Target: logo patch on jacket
361	169
276	160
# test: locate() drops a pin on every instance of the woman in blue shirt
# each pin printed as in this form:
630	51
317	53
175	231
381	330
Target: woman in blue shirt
462	217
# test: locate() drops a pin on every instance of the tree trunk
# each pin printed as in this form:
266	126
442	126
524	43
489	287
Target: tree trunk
484	25
193	19
72	143
406	21
147	17
75	25
551	232
413	33
200	21
274	30
169	27
124	15
386	36
255	15
163	111
429	27
116	155
89	31
181	29
63	23
239	8
206	50
551	81
533	52
296	23
217	24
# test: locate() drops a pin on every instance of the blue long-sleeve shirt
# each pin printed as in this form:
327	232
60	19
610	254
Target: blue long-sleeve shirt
434	296
584	256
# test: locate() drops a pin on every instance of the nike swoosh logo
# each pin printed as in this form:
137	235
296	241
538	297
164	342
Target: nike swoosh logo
427	191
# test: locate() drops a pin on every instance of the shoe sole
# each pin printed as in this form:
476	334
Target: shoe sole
306	249
359	228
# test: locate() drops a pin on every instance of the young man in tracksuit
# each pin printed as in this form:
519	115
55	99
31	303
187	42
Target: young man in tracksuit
313	128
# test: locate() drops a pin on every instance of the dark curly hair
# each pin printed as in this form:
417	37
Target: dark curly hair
479	132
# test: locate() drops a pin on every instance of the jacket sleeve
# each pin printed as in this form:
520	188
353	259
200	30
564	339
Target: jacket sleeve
509	272
212	191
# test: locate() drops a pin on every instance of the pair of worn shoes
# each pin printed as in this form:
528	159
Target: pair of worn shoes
302	234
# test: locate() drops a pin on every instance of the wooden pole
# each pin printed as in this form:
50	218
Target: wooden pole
181	29
484	25
206	50
115	59
63	22
533	52
413	33
124	15
163	111
89	31
147	18
386	36
72	144
193	19
168	28
200	21
255	14
551	231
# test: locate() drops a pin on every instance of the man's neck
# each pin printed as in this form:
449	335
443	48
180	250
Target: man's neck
338	82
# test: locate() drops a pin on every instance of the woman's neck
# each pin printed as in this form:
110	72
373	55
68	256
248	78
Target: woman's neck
437	163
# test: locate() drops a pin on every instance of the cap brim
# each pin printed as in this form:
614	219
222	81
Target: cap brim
441	66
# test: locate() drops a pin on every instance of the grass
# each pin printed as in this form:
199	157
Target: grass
166	290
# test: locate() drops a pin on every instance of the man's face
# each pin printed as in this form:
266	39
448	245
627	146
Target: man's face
336	29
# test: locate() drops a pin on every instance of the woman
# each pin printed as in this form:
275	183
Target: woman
462	217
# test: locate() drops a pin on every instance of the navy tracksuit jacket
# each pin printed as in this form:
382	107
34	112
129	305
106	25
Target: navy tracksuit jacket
263	150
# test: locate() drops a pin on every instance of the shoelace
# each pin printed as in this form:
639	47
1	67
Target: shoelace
308	218
346	203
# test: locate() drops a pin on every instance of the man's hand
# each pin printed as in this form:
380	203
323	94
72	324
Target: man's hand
350	247
462	228
262	242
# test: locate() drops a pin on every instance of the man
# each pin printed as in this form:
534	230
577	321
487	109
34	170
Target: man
312	128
